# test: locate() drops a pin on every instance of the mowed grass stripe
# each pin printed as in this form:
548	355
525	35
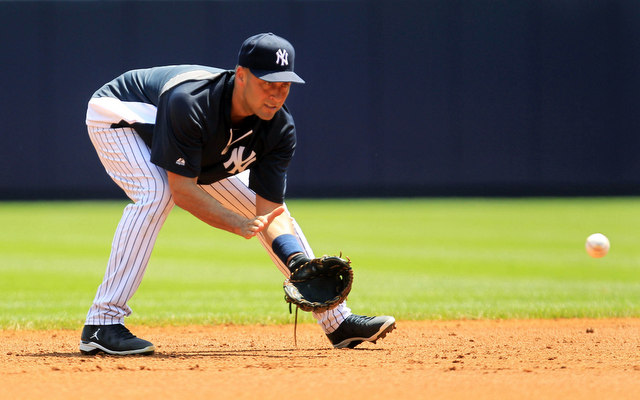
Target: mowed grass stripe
413	258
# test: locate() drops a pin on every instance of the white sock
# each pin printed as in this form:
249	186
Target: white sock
330	320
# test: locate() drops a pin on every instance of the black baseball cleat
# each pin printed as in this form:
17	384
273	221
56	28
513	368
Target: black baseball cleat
113	339
356	329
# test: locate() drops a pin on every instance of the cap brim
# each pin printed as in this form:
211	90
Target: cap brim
279	76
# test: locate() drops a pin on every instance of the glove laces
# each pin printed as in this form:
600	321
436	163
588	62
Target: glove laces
295	326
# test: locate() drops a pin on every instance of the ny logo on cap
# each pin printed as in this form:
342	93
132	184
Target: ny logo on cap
283	57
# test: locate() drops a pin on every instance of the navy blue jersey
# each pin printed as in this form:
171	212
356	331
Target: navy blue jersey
183	114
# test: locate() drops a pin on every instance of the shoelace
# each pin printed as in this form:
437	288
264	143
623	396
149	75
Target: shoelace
126	333
360	318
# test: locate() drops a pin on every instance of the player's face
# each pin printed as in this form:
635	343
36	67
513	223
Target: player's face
264	98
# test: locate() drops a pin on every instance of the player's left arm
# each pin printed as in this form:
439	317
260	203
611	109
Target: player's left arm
269	178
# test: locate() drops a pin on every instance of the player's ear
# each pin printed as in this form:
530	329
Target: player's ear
241	74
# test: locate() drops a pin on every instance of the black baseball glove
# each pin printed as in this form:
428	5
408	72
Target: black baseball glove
318	284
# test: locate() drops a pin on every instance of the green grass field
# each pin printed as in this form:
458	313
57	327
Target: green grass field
413	258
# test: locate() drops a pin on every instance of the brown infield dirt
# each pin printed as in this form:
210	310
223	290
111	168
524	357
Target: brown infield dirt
509	359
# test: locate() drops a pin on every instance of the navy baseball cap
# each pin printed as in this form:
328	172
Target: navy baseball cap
269	57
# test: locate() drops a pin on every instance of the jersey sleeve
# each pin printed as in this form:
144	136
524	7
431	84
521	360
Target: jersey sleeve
177	136
268	177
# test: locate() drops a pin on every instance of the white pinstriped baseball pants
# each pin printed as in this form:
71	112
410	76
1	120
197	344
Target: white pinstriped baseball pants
126	158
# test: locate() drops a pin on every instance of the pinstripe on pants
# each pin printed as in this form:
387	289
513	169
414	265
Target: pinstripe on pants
126	159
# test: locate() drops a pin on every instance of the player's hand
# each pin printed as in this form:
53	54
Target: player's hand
256	225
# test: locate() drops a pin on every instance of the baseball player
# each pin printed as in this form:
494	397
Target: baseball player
216	143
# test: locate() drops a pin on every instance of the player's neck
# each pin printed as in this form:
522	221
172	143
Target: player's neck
238	111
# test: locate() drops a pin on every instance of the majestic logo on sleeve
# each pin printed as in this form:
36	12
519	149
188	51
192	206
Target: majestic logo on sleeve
236	163
282	57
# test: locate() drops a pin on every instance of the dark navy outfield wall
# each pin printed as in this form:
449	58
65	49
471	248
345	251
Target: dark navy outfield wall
429	97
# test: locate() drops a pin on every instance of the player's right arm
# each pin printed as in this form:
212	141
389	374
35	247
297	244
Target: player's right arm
190	197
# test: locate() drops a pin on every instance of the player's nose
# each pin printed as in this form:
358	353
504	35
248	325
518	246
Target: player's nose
279	93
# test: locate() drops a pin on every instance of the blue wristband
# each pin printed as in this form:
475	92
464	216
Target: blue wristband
286	245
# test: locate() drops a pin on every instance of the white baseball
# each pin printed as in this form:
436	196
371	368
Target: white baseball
597	245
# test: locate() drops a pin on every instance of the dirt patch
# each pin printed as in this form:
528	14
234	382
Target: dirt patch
568	359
